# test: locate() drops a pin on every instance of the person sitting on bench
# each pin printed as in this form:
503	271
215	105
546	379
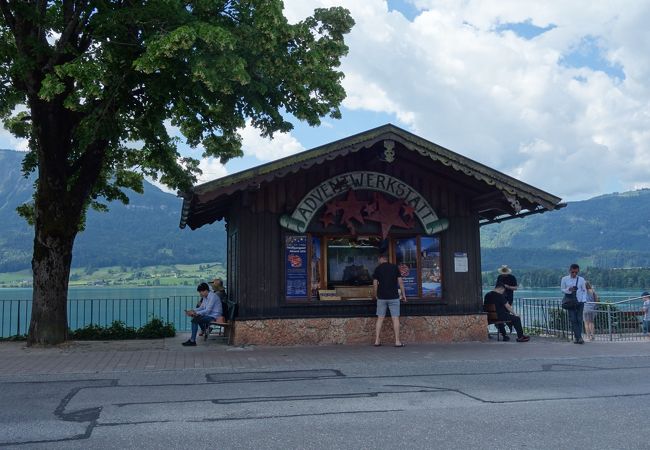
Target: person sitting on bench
505	313
202	316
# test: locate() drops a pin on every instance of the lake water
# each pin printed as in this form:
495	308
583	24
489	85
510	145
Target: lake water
102	305
106	292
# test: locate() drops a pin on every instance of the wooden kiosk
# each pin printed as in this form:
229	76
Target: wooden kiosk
304	234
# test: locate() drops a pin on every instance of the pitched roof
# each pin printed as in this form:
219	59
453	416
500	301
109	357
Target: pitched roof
198	201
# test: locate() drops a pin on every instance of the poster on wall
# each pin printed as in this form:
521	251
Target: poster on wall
430	264
296	266
407	251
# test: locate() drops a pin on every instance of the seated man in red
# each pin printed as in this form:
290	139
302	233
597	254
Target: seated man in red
505	312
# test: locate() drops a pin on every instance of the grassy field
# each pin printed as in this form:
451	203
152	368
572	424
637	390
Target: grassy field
175	275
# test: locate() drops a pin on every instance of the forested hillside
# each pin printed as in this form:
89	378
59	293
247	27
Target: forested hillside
638	278
145	232
610	231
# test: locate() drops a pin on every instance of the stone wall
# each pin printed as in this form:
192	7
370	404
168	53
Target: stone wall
360	330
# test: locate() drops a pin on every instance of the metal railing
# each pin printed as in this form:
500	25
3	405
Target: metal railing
614	319
15	315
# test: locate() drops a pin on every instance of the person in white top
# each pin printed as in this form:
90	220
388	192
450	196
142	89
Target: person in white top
646	312
574	283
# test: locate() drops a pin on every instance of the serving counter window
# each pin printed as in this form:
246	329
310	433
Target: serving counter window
340	268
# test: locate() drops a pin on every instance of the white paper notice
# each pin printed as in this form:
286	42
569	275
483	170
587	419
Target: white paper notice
460	262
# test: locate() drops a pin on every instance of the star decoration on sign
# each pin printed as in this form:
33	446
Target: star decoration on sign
327	220
388	215
352	209
408	210
399	213
331	209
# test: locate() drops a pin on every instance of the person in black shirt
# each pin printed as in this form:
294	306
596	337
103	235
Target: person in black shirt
507	279
386	280
505	312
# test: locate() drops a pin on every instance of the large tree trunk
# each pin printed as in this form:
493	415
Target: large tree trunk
57	213
51	268
55	229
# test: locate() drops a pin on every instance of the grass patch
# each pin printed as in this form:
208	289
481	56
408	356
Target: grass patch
170	275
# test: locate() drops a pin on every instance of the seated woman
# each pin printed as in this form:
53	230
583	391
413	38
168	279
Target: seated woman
217	288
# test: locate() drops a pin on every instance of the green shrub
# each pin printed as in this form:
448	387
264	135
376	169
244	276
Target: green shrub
92	332
155	328
118	330
559	319
15	337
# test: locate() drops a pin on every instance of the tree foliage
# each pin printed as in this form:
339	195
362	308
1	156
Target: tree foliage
95	86
121	71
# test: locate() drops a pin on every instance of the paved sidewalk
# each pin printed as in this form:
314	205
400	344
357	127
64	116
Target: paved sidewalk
91	357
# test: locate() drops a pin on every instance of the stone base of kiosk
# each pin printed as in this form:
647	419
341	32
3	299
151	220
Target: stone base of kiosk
360	330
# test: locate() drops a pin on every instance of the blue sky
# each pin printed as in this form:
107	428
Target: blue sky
554	93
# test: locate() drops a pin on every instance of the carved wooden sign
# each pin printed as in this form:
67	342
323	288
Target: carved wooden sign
412	202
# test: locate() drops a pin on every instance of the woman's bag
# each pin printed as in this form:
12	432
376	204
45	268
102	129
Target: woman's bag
570	301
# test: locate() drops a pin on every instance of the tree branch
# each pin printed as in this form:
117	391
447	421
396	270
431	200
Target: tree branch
9	18
72	25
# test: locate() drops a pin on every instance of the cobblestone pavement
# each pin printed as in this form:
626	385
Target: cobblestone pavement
168	354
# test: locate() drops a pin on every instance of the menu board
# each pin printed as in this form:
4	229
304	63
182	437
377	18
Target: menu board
296	266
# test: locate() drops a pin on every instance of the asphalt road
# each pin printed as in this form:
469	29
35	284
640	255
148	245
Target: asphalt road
408	400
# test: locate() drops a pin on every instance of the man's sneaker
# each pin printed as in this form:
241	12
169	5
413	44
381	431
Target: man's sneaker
189	343
523	339
579	341
505	338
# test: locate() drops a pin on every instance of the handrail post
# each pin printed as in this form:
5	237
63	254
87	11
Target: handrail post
609	321
18	328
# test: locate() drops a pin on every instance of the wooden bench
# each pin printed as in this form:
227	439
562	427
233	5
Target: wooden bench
225	329
493	318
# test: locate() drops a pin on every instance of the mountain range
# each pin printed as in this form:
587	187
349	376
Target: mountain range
144	232
609	231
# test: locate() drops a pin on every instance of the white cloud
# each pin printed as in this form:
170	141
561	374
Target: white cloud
264	149
253	145
506	100
10	142
212	169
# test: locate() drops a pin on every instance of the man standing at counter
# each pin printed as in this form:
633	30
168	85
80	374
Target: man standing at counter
386	280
